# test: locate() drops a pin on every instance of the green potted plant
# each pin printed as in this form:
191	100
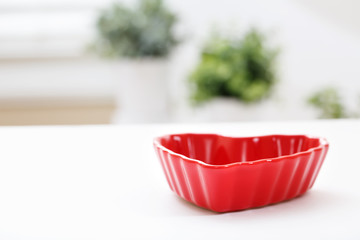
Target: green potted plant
233	74
141	36
328	103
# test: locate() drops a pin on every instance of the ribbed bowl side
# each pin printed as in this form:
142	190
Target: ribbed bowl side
161	157
279	180
259	184
188	180
172	173
315	172
306	172
284	179
233	188
195	183
269	179
297	170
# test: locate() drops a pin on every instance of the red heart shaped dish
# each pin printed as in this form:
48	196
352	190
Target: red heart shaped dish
226	174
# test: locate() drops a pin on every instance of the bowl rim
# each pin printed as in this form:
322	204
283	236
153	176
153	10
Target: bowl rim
323	144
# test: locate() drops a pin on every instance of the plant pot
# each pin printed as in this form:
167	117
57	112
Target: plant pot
229	110
142	92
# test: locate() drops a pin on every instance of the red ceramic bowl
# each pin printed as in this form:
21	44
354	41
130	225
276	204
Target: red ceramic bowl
227	174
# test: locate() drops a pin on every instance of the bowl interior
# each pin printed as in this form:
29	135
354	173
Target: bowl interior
219	150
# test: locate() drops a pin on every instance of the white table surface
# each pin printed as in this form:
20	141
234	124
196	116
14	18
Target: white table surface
105	182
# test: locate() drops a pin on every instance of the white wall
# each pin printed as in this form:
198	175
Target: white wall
315	50
318	47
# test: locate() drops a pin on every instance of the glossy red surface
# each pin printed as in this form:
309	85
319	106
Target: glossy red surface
227	174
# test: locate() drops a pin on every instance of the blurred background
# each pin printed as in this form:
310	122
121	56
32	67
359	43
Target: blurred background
152	61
